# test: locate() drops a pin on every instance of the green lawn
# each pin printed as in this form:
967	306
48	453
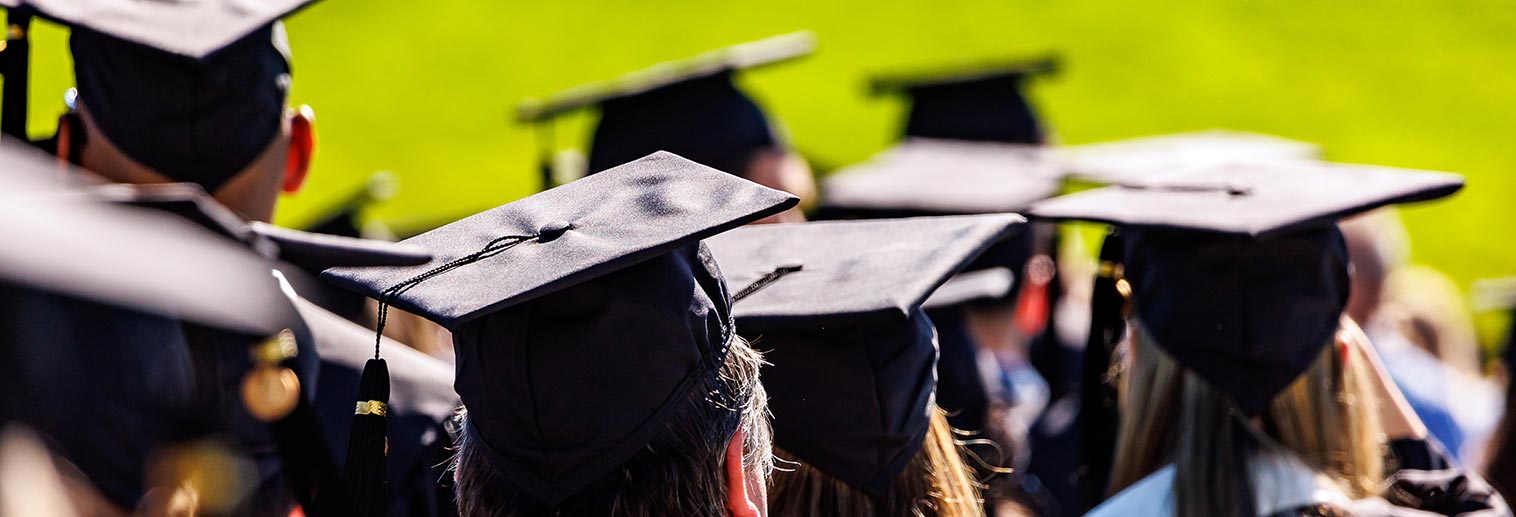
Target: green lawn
427	89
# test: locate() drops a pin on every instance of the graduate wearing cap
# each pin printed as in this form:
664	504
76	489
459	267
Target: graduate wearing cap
980	103
598	362
836	308
693	108
198	93
1000	306
99	301
1247	390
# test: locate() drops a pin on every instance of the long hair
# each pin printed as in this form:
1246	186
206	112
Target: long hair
1327	418
682	471
936	483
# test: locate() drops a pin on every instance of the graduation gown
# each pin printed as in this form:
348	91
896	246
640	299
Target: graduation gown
421	403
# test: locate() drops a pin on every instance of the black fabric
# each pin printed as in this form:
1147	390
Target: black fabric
706	119
564	388
990	109
108	387
317	251
1247	316
199	121
600	224
960	385
1256	197
852	356
421	403
851	271
854	401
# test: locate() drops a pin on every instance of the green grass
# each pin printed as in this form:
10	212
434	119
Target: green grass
427	89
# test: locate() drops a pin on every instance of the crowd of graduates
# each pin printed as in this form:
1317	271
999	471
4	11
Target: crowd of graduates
688	322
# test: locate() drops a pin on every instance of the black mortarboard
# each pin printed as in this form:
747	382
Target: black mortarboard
836	304
690	108
1137	159
931	176
310	251
925	176
581	314
979	103
193	90
58	240
1237	269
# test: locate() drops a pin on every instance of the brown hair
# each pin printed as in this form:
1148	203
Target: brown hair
936	483
1327	417
682	471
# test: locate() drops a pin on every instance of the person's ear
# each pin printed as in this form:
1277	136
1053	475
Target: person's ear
302	149
739	503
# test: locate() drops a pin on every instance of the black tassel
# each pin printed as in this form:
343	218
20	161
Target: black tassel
1098	411
366	445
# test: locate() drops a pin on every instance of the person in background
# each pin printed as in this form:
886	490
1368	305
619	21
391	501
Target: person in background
694	108
1421	330
852	359
205	101
1251	393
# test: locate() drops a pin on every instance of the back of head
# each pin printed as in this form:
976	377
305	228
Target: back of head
199	120
936	482
1326	417
681	471
559	419
706	119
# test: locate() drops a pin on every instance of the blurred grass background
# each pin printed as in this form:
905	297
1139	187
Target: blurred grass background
427	90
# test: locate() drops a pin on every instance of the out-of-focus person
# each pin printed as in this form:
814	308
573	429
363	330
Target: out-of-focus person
693	108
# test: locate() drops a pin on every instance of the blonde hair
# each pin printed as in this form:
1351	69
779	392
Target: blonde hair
936	483
1327	417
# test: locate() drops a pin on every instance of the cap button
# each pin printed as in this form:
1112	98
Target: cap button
553	230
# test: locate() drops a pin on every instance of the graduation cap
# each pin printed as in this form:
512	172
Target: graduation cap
1237	269
837	304
981	102
60	241
691	108
1135	159
535	290
193	90
307	250
927	176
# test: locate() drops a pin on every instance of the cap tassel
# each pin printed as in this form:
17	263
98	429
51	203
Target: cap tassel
367	445
1098	415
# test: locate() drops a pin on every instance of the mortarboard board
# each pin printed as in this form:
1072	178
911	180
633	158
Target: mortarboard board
691	108
1237	269
925	176
59	241
932	176
1136	159
980	103
310	251
193	90
836	304
534	289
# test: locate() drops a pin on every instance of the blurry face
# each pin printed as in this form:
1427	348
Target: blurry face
785	170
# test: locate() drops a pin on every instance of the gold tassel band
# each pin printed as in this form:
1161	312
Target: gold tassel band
371	407
1110	269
